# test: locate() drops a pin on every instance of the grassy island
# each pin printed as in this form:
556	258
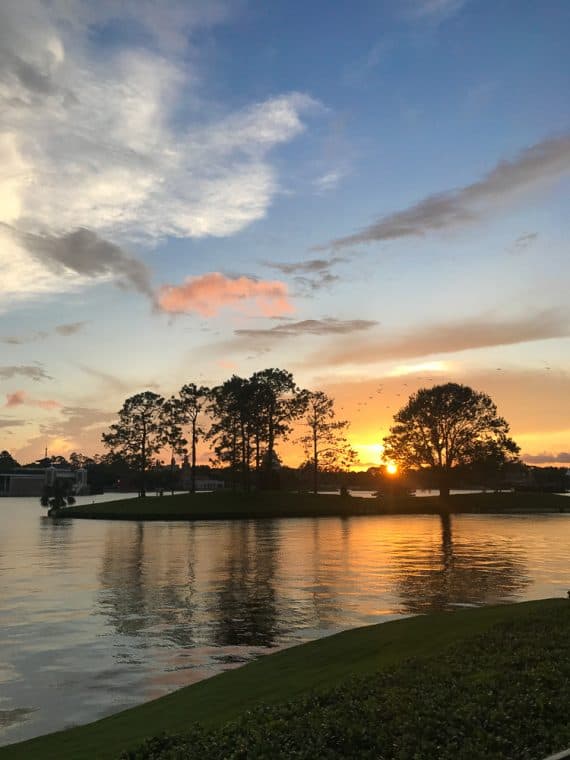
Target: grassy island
492	682
227	505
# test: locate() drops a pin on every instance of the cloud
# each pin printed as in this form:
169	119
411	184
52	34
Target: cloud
310	275
562	457
434	10
19	398
71	328
446	338
8	422
84	253
523	242
357	72
328	181
15	399
327	326
536	167
207	294
93	136
76	428
33	371
310	266
18	340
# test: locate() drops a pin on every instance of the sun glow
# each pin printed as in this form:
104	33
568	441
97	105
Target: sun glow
391	468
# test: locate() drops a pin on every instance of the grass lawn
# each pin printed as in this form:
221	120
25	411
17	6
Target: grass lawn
226	505
304	672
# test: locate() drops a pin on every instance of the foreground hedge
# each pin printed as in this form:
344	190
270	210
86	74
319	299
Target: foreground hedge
501	695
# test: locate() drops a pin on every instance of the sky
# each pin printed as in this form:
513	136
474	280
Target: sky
372	195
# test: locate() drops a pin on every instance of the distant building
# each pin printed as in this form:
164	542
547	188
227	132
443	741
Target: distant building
30	481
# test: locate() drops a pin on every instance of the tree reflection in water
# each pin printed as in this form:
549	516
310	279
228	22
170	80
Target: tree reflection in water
245	612
464	574
146	592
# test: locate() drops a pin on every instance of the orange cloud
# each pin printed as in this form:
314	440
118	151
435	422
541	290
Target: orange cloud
208	293
18	398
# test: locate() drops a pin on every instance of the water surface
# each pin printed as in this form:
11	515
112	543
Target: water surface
97	616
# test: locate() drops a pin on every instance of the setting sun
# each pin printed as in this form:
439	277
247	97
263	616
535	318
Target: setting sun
391	468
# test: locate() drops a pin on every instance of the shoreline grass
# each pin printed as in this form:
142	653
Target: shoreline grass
298	673
228	505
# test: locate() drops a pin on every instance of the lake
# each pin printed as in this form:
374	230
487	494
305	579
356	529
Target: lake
98	616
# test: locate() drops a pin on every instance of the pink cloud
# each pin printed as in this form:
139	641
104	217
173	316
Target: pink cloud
15	399
47	403
208	293
21	397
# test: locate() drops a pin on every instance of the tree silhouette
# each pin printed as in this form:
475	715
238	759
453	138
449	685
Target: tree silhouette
7	461
325	445
171	420
136	437
193	399
447	426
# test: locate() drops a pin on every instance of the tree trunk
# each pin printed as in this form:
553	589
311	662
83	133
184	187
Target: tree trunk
193	471
143	464
444	484
315	463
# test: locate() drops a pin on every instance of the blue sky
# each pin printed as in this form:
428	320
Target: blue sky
372	187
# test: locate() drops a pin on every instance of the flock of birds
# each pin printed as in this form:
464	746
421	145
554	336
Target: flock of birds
361	405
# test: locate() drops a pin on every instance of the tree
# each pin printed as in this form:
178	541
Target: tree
7	462
193	400
80	461
136	437
277	402
232	410
172	418
325	444
445	427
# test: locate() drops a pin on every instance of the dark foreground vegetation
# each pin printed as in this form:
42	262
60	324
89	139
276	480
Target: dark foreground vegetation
492	682
504	694
227	505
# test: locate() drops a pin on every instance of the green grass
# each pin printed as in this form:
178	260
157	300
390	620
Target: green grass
229	505
504	694
286	675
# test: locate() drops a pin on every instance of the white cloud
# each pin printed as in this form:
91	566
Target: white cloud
328	181
94	140
433	9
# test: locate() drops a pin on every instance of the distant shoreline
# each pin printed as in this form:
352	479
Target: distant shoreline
274	505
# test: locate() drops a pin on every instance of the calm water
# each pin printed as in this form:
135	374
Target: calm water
98	616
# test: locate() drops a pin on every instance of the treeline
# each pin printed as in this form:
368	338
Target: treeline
243	420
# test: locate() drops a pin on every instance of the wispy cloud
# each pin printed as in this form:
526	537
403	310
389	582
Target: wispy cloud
76	428
8	422
534	168
444	339
560	458
96	140
328	181
327	326
21	398
308	266
433	10
32	371
208	294
523	242
65	330
357	72
84	253
309	275
71	328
